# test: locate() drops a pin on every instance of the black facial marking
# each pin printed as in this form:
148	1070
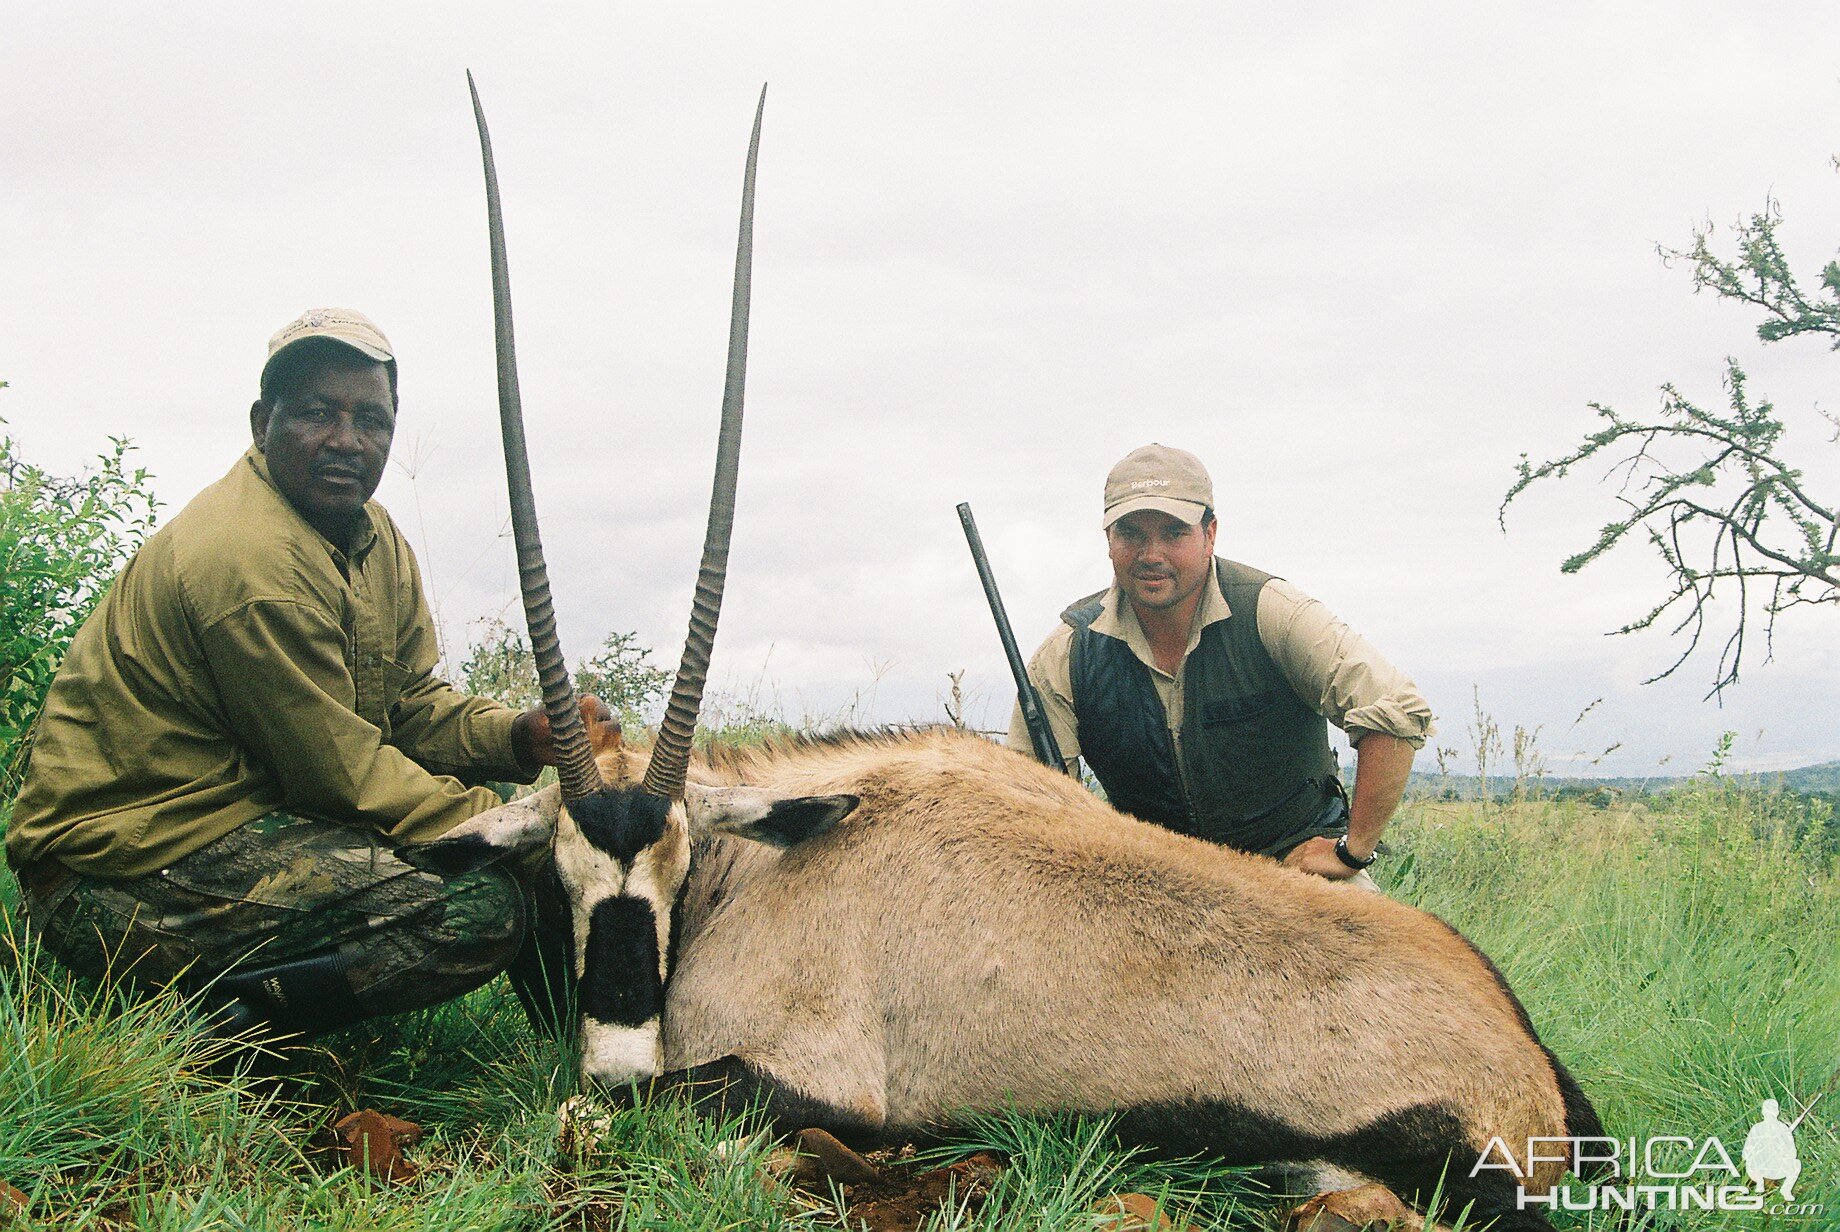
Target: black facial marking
619	982
621	821
1410	1151
790	822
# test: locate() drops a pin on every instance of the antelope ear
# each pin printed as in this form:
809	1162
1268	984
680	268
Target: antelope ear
764	816
523	823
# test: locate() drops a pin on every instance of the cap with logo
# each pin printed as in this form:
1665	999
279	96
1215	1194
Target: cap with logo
345	325
1171	481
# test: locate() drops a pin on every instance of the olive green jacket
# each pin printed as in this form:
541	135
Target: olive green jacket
242	664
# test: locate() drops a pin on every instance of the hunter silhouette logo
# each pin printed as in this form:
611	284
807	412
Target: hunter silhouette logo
1665	1172
1769	1150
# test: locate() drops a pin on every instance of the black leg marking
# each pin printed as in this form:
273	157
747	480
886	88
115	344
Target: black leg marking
543	973
619	982
451	857
1411	1152
728	1088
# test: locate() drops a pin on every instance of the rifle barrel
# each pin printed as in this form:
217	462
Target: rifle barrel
1041	735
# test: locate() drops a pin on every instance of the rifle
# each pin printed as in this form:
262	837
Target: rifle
1047	748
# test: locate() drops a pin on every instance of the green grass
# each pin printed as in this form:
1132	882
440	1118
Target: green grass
1682	954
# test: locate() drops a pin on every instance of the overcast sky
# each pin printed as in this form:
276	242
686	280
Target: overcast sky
1358	258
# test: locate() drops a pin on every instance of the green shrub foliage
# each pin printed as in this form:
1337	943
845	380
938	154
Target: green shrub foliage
500	665
62	541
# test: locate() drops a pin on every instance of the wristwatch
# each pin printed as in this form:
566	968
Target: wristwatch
1349	858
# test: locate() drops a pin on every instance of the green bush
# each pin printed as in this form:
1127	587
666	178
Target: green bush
62	541
500	666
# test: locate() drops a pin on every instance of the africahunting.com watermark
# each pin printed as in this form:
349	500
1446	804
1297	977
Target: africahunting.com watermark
1668	1172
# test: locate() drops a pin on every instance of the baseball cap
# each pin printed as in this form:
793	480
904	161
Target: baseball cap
345	325
1172	481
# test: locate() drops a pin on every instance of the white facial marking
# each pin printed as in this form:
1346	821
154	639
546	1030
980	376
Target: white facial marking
590	877
614	1054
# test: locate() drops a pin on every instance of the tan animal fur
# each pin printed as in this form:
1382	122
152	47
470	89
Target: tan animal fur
983	933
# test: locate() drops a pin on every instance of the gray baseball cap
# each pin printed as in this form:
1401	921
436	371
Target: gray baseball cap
1172	481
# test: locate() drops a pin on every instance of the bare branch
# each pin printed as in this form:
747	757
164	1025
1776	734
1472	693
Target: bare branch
1709	489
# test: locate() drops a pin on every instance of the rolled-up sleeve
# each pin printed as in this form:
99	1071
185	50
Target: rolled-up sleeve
1051	671
1336	671
289	695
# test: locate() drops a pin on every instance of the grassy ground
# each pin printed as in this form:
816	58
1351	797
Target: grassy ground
1682	955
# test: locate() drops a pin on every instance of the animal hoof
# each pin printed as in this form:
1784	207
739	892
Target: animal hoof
826	1159
1370	1208
1133	1212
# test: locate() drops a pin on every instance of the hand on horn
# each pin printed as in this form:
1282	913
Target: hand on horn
531	743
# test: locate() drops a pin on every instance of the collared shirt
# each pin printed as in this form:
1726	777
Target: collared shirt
241	664
1335	670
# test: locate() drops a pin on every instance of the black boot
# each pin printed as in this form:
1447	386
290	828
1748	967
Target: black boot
305	996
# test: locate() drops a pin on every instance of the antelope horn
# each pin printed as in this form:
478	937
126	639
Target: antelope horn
671	753
574	757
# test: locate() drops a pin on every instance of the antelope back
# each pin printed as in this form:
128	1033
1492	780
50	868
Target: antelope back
984	933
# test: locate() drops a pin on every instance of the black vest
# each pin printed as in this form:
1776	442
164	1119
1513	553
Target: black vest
1255	769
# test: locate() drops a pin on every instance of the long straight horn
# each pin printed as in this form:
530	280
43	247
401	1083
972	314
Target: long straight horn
671	754
574	758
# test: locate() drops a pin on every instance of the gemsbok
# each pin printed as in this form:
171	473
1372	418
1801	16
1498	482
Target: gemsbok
878	933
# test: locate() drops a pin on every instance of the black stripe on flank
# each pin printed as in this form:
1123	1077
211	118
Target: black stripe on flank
620	983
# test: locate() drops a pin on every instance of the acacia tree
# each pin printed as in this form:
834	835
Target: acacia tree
1709	490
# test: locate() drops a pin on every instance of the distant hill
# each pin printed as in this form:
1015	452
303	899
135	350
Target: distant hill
1821	779
1824	777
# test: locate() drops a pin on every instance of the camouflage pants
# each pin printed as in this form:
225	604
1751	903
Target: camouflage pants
284	887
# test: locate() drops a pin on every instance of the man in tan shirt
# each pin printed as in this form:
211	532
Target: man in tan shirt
1196	688
247	740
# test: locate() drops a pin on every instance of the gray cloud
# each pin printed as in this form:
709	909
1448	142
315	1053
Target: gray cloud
1358	261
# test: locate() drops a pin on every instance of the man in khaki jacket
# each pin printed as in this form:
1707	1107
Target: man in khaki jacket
1196	688
247	739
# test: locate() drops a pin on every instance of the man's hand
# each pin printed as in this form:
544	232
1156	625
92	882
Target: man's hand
531	742
1317	855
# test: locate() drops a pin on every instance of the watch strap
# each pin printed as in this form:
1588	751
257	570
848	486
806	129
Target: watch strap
1349	858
